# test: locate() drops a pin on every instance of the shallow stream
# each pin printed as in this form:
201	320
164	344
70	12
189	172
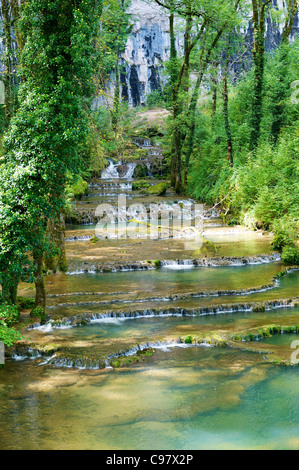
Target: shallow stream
180	395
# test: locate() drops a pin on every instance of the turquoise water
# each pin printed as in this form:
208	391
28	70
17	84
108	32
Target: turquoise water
151	329
178	398
96	293
193	398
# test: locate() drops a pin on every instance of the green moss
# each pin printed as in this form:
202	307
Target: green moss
237	338
63	264
158	190
188	340
157	263
280	275
259	308
50	349
140	185
94	239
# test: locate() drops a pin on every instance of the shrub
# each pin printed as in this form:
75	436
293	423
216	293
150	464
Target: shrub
140	185
38	312
290	255
9	315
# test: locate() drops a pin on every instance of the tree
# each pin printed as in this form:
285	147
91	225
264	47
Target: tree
292	9
48	133
259	17
115	29
205	23
280	91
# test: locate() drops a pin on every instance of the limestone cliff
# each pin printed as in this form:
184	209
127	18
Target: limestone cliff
148	47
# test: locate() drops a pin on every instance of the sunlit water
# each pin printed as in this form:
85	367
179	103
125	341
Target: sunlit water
179	398
193	398
154	289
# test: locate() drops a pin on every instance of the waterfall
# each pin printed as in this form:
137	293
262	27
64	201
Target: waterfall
154	152
130	171
110	172
180	264
148	166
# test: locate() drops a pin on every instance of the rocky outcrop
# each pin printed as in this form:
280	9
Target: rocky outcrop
149	46
199	262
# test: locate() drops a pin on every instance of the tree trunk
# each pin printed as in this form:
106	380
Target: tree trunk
40	295
292	9
175	152
56	234
259	62
7	60
226	118
214	104
16	9
10	291
192	111
116	101
205	61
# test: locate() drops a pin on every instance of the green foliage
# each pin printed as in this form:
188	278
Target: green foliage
38	312
115	28
158	190
261	191
49	132
156	99
286	232
9	316
77	189
290	255
141	184
24	303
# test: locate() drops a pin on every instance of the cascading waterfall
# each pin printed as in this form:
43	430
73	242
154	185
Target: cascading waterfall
180	264
148	166
110	172
130	171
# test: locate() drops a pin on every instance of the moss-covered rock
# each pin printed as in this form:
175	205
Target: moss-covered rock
158	190
188	340
141	184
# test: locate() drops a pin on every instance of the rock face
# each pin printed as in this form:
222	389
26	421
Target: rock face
149	46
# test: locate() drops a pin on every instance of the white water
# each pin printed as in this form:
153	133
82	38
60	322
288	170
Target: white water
111	172
182	264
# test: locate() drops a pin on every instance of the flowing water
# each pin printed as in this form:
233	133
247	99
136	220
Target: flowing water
177	395
193	398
